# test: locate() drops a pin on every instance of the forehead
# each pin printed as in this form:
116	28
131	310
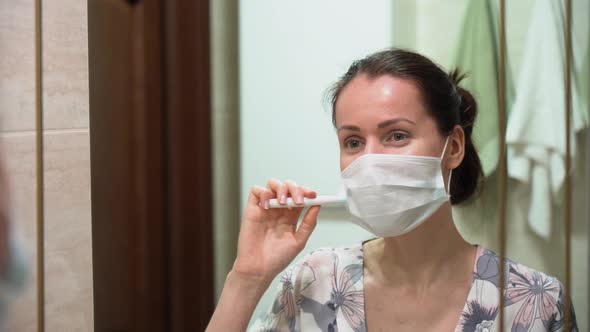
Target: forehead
377	98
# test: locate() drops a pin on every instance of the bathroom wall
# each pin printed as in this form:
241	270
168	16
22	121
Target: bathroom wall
67	252
290	53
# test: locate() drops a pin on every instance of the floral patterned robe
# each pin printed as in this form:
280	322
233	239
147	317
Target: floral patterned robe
324	292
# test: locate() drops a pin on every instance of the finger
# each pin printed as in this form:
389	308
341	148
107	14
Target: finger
280	189
265	198
307	226
295	191
255	193
309	193
262	196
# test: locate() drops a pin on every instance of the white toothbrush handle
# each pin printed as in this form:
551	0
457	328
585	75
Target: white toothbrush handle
320	200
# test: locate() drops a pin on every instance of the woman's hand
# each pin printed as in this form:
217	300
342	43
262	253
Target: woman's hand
269	238
269	241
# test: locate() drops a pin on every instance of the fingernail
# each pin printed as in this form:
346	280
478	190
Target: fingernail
266	205
283	199
299	200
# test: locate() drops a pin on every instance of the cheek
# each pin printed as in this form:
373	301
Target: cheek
345	161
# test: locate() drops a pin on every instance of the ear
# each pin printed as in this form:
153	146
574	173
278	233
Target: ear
455	148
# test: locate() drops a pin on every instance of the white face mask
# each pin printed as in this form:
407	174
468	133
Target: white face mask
390	195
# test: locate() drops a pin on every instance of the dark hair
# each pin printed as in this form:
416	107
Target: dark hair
445	101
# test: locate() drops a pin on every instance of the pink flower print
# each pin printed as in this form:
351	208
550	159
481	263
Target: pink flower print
345	298
285	302
536	293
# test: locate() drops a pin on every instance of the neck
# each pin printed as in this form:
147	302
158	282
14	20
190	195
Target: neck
433	251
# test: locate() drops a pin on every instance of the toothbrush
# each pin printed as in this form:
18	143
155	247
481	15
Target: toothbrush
327	200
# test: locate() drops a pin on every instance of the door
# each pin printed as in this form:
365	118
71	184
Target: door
150	164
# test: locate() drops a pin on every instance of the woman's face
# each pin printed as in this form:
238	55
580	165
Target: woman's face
384	115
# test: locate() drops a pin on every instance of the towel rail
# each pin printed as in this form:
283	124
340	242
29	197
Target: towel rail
502	162
39	166
567	190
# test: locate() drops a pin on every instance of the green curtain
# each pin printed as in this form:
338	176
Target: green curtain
477	54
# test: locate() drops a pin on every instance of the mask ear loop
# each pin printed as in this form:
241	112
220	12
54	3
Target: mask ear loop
449	182
450	171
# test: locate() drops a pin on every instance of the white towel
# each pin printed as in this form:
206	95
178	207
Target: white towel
535	134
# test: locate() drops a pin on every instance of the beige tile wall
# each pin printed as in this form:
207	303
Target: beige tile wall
65	70
17	60
68	250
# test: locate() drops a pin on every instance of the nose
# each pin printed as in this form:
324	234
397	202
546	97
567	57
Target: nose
374	146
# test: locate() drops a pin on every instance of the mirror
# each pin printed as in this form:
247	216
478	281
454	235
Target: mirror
290	54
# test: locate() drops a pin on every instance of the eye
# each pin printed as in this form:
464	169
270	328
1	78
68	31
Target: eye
398	137
353	143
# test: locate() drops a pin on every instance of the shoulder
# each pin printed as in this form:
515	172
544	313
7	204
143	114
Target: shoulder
517	275
353	253
316	269
526	290
335	257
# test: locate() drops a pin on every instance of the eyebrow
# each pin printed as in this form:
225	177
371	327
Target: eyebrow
381	125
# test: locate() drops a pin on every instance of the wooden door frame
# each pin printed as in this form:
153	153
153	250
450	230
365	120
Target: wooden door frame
150	142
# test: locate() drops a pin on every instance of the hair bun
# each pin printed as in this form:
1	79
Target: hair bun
467	104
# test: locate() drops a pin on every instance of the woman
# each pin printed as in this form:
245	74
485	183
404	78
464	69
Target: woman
406	155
